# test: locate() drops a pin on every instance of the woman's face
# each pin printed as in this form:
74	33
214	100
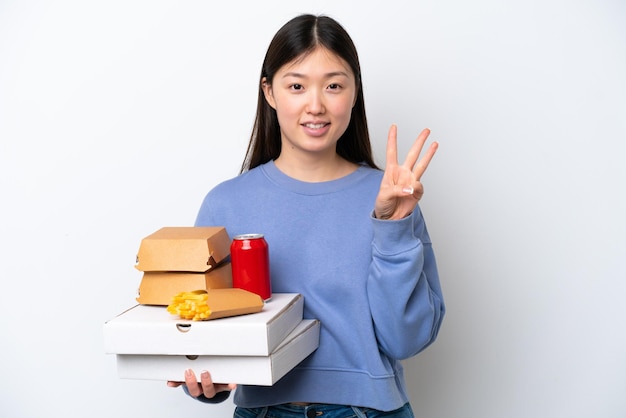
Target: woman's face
313	97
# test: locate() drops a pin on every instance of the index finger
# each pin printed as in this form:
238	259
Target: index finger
392	146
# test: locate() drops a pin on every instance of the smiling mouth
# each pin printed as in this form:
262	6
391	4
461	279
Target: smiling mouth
315	125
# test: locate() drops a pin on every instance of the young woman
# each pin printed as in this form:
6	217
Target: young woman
348	237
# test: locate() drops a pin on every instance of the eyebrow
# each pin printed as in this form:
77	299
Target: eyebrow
327	75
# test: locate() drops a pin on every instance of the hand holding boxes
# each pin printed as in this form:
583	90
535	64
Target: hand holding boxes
245	348
257	349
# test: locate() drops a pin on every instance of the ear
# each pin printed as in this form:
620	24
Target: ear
356	95
267	91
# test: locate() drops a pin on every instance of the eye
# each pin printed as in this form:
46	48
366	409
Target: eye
296	86
335	88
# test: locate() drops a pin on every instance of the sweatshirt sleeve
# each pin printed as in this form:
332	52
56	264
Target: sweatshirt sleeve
218	398
403	286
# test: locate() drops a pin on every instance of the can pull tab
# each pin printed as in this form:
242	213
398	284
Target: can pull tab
183	327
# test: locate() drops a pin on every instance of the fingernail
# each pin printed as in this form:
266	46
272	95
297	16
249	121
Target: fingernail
407	190
188	372
204	374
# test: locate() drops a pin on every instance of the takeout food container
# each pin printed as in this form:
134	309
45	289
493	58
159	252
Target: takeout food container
184	248
158	287
246	369
204	305
146	329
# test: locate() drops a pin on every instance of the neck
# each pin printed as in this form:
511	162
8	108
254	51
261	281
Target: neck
315	170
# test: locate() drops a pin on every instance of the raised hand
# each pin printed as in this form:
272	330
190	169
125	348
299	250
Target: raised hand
401	188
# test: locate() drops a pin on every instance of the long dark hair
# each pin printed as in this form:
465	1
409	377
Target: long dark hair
300	36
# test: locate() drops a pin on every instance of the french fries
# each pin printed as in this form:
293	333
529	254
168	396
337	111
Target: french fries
190	305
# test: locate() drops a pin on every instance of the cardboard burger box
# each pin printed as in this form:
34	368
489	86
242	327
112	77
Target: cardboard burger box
158	287
246	369
185	248
151	330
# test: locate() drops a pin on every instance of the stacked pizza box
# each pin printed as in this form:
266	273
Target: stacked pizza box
251	342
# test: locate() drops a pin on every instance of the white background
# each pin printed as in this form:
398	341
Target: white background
116	117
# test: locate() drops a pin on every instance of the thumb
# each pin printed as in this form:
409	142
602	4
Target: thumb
406	190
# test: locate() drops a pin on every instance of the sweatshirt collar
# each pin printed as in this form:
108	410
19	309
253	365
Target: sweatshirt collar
302	187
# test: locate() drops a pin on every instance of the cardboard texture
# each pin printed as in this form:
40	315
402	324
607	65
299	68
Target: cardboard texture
190	249
250	370
158	288
152	330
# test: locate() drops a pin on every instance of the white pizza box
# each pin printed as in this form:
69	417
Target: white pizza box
245	370
152	330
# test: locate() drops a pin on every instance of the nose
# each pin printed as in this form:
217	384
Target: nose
315	104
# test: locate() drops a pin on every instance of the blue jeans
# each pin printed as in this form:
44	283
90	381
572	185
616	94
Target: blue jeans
321	411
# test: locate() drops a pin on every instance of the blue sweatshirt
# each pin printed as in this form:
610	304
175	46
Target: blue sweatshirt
373	284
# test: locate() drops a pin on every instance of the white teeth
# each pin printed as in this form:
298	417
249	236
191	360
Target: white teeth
315	125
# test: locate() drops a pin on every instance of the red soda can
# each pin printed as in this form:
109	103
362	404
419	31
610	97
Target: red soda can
249	259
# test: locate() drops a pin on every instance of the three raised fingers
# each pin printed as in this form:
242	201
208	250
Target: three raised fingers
411	162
